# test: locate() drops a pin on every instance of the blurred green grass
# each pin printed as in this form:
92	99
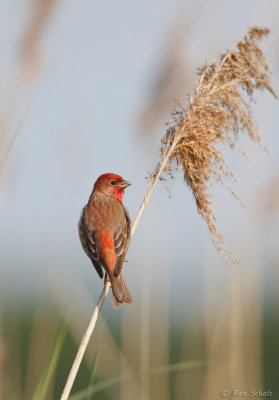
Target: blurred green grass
25	377
55	359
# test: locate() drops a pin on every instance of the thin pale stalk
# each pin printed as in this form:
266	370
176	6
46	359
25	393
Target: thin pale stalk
152	185
84	343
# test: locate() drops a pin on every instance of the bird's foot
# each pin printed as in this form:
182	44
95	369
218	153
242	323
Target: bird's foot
106	280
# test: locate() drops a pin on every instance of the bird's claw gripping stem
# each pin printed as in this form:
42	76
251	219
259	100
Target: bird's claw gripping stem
106	280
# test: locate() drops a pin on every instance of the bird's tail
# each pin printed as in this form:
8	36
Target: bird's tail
120	293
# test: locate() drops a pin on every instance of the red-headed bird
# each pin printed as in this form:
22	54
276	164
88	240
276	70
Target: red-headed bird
105	232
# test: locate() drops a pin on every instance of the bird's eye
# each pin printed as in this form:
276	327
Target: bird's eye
113	182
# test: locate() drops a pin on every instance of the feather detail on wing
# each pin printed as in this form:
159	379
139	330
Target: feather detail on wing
122	236
88	243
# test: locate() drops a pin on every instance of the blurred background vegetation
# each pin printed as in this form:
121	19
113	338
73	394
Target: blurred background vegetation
85	88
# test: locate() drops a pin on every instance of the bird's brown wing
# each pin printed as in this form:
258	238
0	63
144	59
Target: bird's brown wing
122	237
88	243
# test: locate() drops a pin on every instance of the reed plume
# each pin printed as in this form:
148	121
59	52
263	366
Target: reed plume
217	113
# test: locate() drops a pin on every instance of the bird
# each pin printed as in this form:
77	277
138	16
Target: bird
105	232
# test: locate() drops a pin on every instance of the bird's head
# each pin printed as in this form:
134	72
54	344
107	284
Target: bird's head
111	185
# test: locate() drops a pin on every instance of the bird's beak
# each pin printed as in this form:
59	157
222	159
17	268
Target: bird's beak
123	184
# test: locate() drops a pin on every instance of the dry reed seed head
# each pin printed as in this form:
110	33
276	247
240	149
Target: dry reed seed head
217	114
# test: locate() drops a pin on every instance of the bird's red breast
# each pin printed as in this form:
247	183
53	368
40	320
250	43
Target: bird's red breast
106	248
